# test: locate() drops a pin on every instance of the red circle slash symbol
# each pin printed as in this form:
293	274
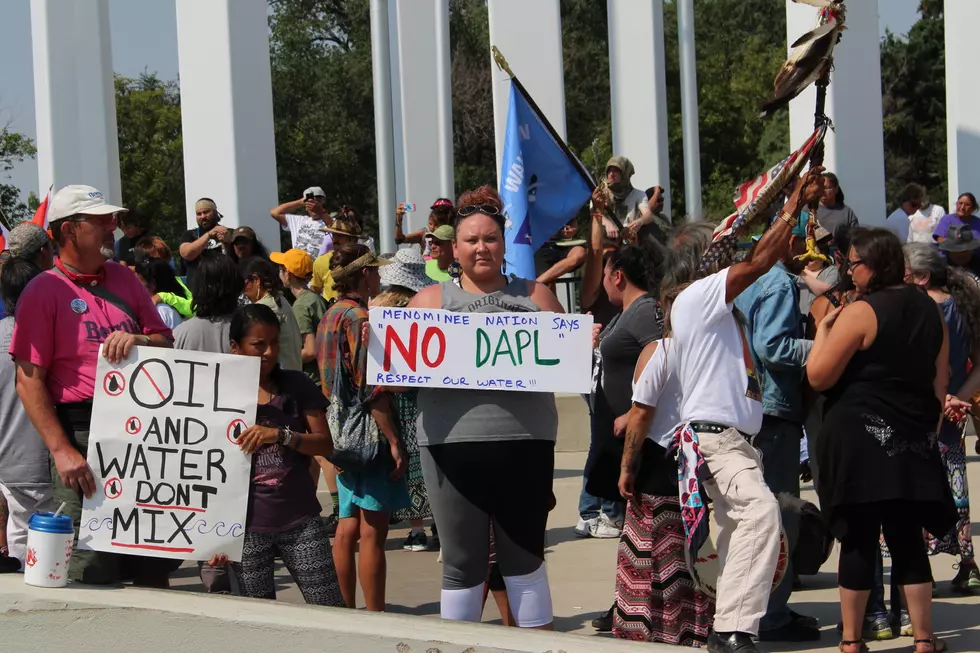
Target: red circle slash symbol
113	488
134	425
114	383
235	429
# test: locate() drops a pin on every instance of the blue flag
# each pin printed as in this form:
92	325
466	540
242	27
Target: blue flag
541	187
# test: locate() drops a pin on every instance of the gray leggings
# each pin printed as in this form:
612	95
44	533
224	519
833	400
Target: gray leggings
470	484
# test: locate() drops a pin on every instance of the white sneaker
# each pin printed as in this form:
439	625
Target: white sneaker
586	526
605	528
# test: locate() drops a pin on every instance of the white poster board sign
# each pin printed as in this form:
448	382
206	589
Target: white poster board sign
527	352
170	480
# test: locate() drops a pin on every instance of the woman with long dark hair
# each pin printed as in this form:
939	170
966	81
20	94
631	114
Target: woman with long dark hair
832	212
215	289
883	362
283	511
959	299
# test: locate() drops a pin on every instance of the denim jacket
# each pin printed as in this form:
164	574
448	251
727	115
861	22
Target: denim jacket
774	327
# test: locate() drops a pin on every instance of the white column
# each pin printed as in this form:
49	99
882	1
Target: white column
74	96
689	109
638	85
226	112
528	34
424	98
854	106
962	99
383	138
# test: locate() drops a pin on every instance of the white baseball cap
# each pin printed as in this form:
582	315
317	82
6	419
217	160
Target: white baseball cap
77	199
315	191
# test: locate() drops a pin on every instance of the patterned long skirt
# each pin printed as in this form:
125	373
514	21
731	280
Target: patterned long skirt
406	418
656	599
959	541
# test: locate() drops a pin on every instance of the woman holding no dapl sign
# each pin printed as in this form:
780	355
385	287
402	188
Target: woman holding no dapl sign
487	452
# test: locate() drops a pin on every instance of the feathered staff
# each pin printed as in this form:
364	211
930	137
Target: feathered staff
810	61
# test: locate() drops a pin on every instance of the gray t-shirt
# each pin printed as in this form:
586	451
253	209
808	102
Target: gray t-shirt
452	416
23	456
831	217
620	345
204	334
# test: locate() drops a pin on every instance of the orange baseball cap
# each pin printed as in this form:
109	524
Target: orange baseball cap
298	262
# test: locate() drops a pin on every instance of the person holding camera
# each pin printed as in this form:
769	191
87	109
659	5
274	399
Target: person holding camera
208	236
306	230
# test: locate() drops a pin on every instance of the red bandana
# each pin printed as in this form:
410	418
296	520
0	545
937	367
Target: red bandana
79	278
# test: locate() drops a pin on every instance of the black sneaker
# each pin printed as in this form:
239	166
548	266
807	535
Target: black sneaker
603	623
416	542
812	622
794	631
967	578
731	643
330	523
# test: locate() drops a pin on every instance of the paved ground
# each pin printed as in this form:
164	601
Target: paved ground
582	572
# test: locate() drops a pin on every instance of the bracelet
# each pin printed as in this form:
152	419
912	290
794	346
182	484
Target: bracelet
788	219
285	436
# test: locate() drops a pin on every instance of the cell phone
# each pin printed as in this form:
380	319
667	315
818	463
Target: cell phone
408	206
309	197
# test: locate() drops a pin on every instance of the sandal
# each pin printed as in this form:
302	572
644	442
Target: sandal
938	645
864	647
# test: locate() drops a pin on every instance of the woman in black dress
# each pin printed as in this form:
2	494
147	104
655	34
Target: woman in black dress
883	362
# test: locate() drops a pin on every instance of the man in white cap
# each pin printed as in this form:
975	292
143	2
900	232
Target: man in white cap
306	230
207	238
62	317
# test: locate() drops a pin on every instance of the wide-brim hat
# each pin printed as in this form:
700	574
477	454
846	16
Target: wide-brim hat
959	239
407	270
344	228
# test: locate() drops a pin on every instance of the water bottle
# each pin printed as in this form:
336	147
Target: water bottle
49	543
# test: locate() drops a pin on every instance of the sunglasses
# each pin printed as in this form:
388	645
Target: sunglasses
488	209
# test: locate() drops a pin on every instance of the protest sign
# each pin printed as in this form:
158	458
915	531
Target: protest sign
170	480
432	348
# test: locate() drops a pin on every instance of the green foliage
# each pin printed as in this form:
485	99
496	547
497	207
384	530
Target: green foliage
14	149
151	158
913	82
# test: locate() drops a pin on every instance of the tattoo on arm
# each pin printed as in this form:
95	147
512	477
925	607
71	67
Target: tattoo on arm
631	449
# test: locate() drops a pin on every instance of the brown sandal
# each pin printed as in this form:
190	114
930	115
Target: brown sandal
938	645
844	642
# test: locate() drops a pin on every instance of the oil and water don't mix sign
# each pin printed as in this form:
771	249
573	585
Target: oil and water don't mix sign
170	479
433	348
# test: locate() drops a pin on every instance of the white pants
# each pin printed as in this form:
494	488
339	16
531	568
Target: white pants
747	515
23	502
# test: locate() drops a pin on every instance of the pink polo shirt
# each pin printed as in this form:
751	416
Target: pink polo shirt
60	325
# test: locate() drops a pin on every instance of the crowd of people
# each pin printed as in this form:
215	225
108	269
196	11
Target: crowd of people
714	380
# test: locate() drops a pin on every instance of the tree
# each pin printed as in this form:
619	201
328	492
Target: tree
14	149
913	81
151	157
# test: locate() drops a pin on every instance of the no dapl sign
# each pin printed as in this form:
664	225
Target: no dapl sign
171	480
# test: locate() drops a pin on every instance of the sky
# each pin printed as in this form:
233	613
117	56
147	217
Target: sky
144	38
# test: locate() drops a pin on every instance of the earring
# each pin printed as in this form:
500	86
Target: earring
504	266
455	269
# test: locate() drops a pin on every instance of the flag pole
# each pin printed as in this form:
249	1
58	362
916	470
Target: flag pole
504	66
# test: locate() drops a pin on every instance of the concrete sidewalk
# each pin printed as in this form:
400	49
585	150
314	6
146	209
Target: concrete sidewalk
581	572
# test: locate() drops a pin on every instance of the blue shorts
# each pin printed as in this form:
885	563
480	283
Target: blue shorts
371	490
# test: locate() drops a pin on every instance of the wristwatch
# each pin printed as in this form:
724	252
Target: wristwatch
285	436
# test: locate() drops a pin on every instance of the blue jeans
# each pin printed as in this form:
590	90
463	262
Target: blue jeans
779	442
601	422
876	600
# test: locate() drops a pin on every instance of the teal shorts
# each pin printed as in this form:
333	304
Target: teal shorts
371	490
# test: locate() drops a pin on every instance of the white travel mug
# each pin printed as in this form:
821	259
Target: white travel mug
49	543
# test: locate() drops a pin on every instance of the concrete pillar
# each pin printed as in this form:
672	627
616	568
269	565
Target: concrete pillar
853	104
383	138
638	85
226	112
962	98
424	160
528	34
74	96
